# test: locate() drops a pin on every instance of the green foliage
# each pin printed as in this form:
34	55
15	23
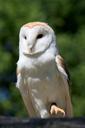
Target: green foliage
68	20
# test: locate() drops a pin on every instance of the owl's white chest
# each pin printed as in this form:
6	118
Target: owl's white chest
41	78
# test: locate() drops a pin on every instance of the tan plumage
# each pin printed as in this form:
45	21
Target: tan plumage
41	73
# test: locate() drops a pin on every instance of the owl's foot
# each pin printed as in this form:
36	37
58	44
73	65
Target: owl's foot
55	110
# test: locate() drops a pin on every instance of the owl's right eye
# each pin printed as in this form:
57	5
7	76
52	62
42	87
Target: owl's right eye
25	37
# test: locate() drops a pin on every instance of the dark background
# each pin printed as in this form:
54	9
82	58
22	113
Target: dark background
67	18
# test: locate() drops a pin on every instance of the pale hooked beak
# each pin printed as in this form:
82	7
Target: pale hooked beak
29	51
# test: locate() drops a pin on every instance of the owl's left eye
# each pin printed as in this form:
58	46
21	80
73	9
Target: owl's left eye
40	36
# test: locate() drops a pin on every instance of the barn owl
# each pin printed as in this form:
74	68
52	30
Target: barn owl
41	74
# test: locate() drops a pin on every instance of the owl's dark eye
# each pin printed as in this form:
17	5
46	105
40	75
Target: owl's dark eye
39	36
25	37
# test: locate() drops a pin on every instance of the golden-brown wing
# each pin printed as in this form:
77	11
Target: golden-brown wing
64	79
62	67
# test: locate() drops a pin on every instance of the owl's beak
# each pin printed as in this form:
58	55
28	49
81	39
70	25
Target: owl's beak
31	49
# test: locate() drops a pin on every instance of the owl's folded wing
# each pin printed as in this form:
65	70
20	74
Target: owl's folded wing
25	93
61	65
64	78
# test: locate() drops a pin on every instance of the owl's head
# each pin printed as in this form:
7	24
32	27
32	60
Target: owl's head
35	38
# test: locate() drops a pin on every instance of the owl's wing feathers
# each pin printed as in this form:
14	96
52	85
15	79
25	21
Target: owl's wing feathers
61	65
25	93
64	77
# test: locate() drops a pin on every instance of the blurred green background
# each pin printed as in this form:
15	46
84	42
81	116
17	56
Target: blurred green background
67	18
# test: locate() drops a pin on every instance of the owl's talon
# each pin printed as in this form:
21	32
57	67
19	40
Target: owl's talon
55	110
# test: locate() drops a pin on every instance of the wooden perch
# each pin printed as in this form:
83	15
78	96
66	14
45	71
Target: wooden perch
11	122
